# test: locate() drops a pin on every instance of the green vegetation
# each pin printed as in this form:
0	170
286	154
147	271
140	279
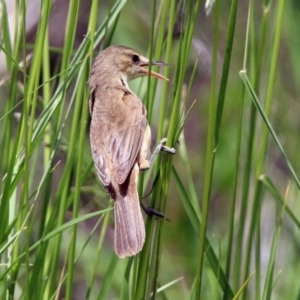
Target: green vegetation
230	194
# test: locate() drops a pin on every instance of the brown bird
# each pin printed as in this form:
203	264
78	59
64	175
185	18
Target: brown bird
120	139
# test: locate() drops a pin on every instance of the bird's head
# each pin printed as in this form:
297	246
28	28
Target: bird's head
127	62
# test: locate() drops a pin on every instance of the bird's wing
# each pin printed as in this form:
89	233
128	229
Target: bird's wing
125	142
125	123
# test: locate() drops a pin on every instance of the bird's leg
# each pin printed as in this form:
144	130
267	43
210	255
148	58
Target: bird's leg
161	147
151	211
145	164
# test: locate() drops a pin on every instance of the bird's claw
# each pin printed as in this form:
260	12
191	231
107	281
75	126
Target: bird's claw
164	148
150	211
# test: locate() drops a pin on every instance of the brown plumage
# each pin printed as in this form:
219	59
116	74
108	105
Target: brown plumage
120	139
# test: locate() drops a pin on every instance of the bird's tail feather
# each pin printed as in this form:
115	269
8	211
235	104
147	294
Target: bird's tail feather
129	224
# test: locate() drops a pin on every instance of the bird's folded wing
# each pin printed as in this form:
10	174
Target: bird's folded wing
124	150
123	137
125	143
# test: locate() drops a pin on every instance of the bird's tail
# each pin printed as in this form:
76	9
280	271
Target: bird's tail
129	223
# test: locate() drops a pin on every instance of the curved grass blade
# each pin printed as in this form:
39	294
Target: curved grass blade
273	190
259	107
57	231
195	220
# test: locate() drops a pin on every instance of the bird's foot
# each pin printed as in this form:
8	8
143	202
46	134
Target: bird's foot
150	211
161	147
164	148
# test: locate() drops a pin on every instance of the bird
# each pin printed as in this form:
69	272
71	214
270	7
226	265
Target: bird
120	139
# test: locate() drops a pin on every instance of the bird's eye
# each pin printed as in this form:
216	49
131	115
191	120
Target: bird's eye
135	58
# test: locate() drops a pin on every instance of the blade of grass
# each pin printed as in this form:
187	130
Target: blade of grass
60	229
194	217
240	291
270	270
213	135
108	277
80	109
268	124
273	190
97	256
235	188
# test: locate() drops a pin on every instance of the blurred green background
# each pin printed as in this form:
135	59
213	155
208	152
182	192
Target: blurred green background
241	200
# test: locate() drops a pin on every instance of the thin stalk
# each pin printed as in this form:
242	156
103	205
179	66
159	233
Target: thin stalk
271	84
80	109
270	271
225	69
235	187
148	104
255	214
97	256
156	257
258	254
213	140
256	64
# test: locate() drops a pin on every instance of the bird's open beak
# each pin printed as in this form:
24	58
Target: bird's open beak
152	73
